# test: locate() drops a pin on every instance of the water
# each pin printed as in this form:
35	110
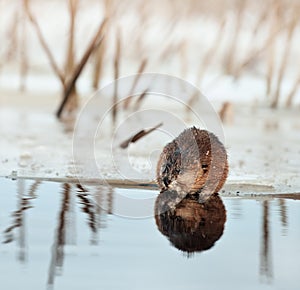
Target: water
56	236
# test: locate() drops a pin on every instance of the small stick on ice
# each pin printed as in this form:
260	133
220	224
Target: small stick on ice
138	136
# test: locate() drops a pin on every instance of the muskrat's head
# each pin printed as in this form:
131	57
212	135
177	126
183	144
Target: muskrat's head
169	165
194	162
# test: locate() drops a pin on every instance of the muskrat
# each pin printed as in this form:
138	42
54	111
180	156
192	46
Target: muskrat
194	162
189	225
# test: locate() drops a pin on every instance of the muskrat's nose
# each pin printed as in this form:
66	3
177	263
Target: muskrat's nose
194	162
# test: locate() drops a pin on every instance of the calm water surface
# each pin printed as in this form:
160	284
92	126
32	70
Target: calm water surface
59	236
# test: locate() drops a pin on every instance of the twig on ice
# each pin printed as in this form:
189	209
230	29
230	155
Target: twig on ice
138	136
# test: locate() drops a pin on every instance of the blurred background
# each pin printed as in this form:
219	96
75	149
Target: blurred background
233	50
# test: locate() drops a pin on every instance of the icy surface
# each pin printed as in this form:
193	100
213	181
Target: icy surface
262	144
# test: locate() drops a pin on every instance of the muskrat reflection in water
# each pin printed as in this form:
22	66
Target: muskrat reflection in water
189	225
194	162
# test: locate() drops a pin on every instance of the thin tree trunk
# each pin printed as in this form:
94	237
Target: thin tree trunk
116	76
284	61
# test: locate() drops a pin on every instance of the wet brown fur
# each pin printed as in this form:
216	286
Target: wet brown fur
194	162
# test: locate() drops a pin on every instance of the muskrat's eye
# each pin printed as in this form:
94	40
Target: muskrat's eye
177	153
204	167
175	156
166	181
166	168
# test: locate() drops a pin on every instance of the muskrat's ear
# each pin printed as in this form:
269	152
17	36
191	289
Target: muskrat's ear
202	197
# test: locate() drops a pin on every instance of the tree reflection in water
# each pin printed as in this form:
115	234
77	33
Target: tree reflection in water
266	269
189	225
91	206
23	204
57	256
